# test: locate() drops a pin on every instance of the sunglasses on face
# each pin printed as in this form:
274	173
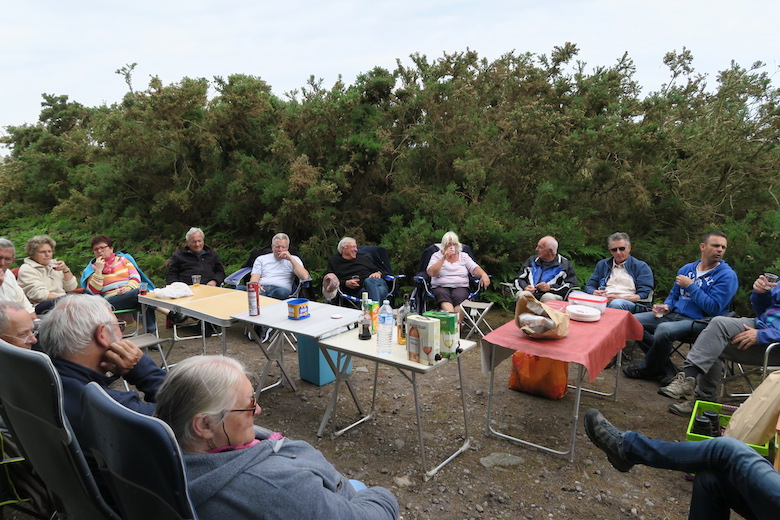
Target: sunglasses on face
252	403
616	249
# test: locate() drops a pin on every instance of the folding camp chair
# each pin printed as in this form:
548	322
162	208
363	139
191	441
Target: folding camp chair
381	259
736	361
422	290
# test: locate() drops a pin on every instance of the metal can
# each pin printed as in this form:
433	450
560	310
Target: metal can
253	293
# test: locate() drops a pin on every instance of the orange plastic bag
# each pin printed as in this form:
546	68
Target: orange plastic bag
540	376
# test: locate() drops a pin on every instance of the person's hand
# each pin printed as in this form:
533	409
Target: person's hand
530	288
485	281
100	263
600	292
451	252
121	357
353	283
762	285
543	286
212	283
375	275
745	339
683	281
660	310
125	289
285	255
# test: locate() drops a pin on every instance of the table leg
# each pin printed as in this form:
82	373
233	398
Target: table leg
274	354
224	341
203	337
340	368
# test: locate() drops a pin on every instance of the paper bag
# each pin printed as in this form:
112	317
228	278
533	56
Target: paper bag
540	376
527	303
756	420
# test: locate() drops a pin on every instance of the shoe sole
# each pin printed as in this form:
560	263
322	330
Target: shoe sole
671	395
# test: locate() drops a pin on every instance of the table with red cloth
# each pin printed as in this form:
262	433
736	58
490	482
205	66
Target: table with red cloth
590	345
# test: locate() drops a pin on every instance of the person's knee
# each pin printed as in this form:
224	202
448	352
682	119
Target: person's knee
623	305
549	297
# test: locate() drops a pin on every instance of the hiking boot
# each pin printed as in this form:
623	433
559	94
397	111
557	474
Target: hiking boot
683	408
681	387
607	438
634	372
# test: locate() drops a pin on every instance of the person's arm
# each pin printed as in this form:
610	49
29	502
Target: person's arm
483	277
32	283
300	271
568	281
525	277
435	264
598	277
218	270
644	281
716	301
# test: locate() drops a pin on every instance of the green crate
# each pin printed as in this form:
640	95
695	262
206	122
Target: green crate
704	406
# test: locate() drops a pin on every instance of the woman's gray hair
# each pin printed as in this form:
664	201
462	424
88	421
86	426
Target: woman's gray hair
7	244
37	241
280	236
192	231
450	237
207	385
70	326
344	241
616	237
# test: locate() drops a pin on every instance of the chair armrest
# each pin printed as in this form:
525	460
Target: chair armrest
234	278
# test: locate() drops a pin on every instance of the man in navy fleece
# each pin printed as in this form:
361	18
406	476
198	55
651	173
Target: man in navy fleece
702	289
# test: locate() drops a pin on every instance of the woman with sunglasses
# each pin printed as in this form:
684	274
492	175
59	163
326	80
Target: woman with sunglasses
210	405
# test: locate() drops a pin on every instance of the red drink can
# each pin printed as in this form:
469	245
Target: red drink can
253	293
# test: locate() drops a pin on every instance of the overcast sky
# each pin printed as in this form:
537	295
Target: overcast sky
73	48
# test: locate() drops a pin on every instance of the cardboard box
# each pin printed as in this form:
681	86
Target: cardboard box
449	332
423	339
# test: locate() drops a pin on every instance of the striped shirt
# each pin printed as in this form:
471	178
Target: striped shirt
108	285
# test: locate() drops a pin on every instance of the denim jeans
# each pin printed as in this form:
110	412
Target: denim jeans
729	474
274	291
624	305
129	301
376	289
658	337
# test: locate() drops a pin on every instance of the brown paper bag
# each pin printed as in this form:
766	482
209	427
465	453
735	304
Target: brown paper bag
527	303
755	422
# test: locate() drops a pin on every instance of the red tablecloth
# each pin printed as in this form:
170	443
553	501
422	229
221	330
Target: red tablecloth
592	345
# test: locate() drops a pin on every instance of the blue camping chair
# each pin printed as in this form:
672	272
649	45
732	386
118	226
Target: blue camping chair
422	291
381	258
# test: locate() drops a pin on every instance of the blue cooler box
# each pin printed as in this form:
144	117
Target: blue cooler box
312	364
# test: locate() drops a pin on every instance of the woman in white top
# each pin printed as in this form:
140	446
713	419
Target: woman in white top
449	269
42	278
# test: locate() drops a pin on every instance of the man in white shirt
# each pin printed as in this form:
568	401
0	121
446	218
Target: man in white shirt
276	271
9	288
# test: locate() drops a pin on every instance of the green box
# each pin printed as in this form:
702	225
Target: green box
449	332
704	406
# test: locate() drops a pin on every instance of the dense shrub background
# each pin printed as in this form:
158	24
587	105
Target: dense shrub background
501	151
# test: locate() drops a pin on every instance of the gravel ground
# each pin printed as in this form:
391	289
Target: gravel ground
494	478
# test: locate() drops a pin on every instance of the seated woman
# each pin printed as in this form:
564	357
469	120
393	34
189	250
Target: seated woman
42	278
116	278
449	269
210	405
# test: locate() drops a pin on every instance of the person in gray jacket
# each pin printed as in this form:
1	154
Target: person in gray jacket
210	405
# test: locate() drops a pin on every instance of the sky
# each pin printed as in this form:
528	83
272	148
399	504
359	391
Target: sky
74	48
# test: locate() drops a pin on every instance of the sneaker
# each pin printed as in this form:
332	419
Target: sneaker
177	317
683	408
607	438
635	372
681	387
267	335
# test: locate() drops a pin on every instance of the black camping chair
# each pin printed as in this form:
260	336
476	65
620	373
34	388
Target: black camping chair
422	291
239	278
139	458
381	258
31	405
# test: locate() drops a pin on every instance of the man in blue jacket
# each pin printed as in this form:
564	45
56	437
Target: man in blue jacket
702	289
626	279
745	339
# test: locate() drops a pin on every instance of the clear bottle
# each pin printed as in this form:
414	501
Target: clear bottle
403	312
384	341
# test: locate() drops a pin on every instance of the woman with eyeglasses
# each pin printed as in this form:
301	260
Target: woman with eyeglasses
210	405
115	277
42	277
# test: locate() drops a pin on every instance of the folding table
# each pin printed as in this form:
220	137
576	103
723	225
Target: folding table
347	345
590	345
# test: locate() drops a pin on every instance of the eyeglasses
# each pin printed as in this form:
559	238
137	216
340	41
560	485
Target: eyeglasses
7	258
252	403
99	248
27	338
120	324
616	249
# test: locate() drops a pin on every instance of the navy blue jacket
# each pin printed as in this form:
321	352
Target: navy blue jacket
637	269
558	272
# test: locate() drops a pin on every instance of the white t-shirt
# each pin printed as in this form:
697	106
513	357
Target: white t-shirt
11	292
272	271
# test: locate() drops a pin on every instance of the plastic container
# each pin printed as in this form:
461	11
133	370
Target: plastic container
725	417
384	336
589	300
298	309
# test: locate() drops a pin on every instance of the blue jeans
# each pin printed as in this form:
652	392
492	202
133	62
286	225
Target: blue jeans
658	337
274	291
624	305
729	474
376	289
129	301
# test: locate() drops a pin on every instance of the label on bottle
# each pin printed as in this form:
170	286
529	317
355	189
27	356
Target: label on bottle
413	345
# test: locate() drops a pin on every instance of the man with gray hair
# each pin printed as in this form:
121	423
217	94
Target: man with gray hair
277	270
354	273
548	275
9	288
16	325
83	338
622	279
195	258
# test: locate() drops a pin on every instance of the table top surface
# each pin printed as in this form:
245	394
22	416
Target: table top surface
592	345
349	343
323	318
214	304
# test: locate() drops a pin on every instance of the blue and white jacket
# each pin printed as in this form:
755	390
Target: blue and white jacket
767	308
709	295
558	272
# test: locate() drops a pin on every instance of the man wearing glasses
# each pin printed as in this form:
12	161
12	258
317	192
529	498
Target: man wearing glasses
9	288
16	325
702	289
622	279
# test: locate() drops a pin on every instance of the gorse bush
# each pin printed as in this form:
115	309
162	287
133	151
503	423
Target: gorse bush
502	152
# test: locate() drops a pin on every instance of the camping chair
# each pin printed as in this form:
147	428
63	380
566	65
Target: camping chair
381	258
422	290
139	458
31	405
736	360
238	279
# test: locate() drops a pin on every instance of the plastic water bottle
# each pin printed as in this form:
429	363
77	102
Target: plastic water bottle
384	341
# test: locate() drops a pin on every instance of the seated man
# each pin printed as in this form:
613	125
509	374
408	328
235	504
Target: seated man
548	275
702	289
702	369
16	325
276	271
355	273
729	473
195	258
9	288
626	280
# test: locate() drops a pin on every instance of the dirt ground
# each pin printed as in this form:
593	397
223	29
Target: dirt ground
528	483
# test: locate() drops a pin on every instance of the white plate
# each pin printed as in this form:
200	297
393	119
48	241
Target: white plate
583	313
